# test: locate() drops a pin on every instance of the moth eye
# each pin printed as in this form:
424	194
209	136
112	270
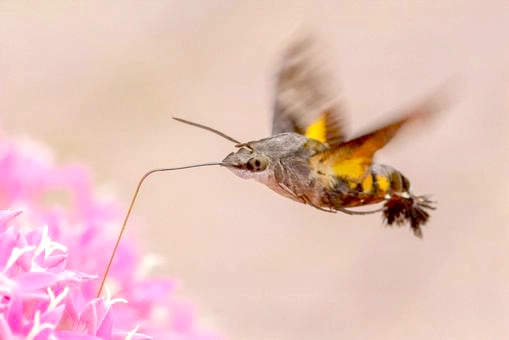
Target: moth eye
256	164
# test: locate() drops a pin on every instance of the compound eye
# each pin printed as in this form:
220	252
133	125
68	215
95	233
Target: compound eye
256	164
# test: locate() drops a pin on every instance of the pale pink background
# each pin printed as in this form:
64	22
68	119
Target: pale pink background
98	83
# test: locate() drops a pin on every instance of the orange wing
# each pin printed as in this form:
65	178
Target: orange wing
351	159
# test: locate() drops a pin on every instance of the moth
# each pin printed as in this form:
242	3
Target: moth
309	158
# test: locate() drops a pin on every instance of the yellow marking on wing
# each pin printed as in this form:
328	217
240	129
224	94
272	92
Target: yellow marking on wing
383	183
351	168
367	184
318	130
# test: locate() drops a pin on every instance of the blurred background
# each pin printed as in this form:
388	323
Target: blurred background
98	82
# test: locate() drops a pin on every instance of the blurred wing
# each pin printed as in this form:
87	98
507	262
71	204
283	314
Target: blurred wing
305	100
351	159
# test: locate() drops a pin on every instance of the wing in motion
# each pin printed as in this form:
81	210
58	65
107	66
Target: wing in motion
351	160
305	101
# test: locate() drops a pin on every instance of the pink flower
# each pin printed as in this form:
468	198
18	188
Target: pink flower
48	280
40	296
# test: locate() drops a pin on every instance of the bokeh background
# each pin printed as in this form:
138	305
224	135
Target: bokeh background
99	81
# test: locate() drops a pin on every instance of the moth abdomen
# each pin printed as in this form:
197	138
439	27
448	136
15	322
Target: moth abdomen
401	205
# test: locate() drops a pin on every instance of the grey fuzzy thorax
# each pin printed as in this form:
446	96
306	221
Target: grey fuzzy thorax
287	165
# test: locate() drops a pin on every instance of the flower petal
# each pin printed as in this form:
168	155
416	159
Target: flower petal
6	216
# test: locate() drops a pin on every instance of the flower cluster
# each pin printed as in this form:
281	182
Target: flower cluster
40	297
52	255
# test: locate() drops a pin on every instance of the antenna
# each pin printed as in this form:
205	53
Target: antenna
131	205
208	128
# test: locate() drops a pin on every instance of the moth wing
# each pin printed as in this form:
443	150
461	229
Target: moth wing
352	159
305	100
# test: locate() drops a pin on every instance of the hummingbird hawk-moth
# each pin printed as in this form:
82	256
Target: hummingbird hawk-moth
309	158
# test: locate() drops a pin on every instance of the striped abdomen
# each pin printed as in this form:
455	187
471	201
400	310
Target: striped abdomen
379	183
383	183
384	180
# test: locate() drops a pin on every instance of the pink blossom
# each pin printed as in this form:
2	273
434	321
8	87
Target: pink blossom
48	280
39	295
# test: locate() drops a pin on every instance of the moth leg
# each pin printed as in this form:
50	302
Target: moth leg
306	200
353	212
288	190
303	198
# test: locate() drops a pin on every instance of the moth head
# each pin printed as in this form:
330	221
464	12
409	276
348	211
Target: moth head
247	162
250	161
